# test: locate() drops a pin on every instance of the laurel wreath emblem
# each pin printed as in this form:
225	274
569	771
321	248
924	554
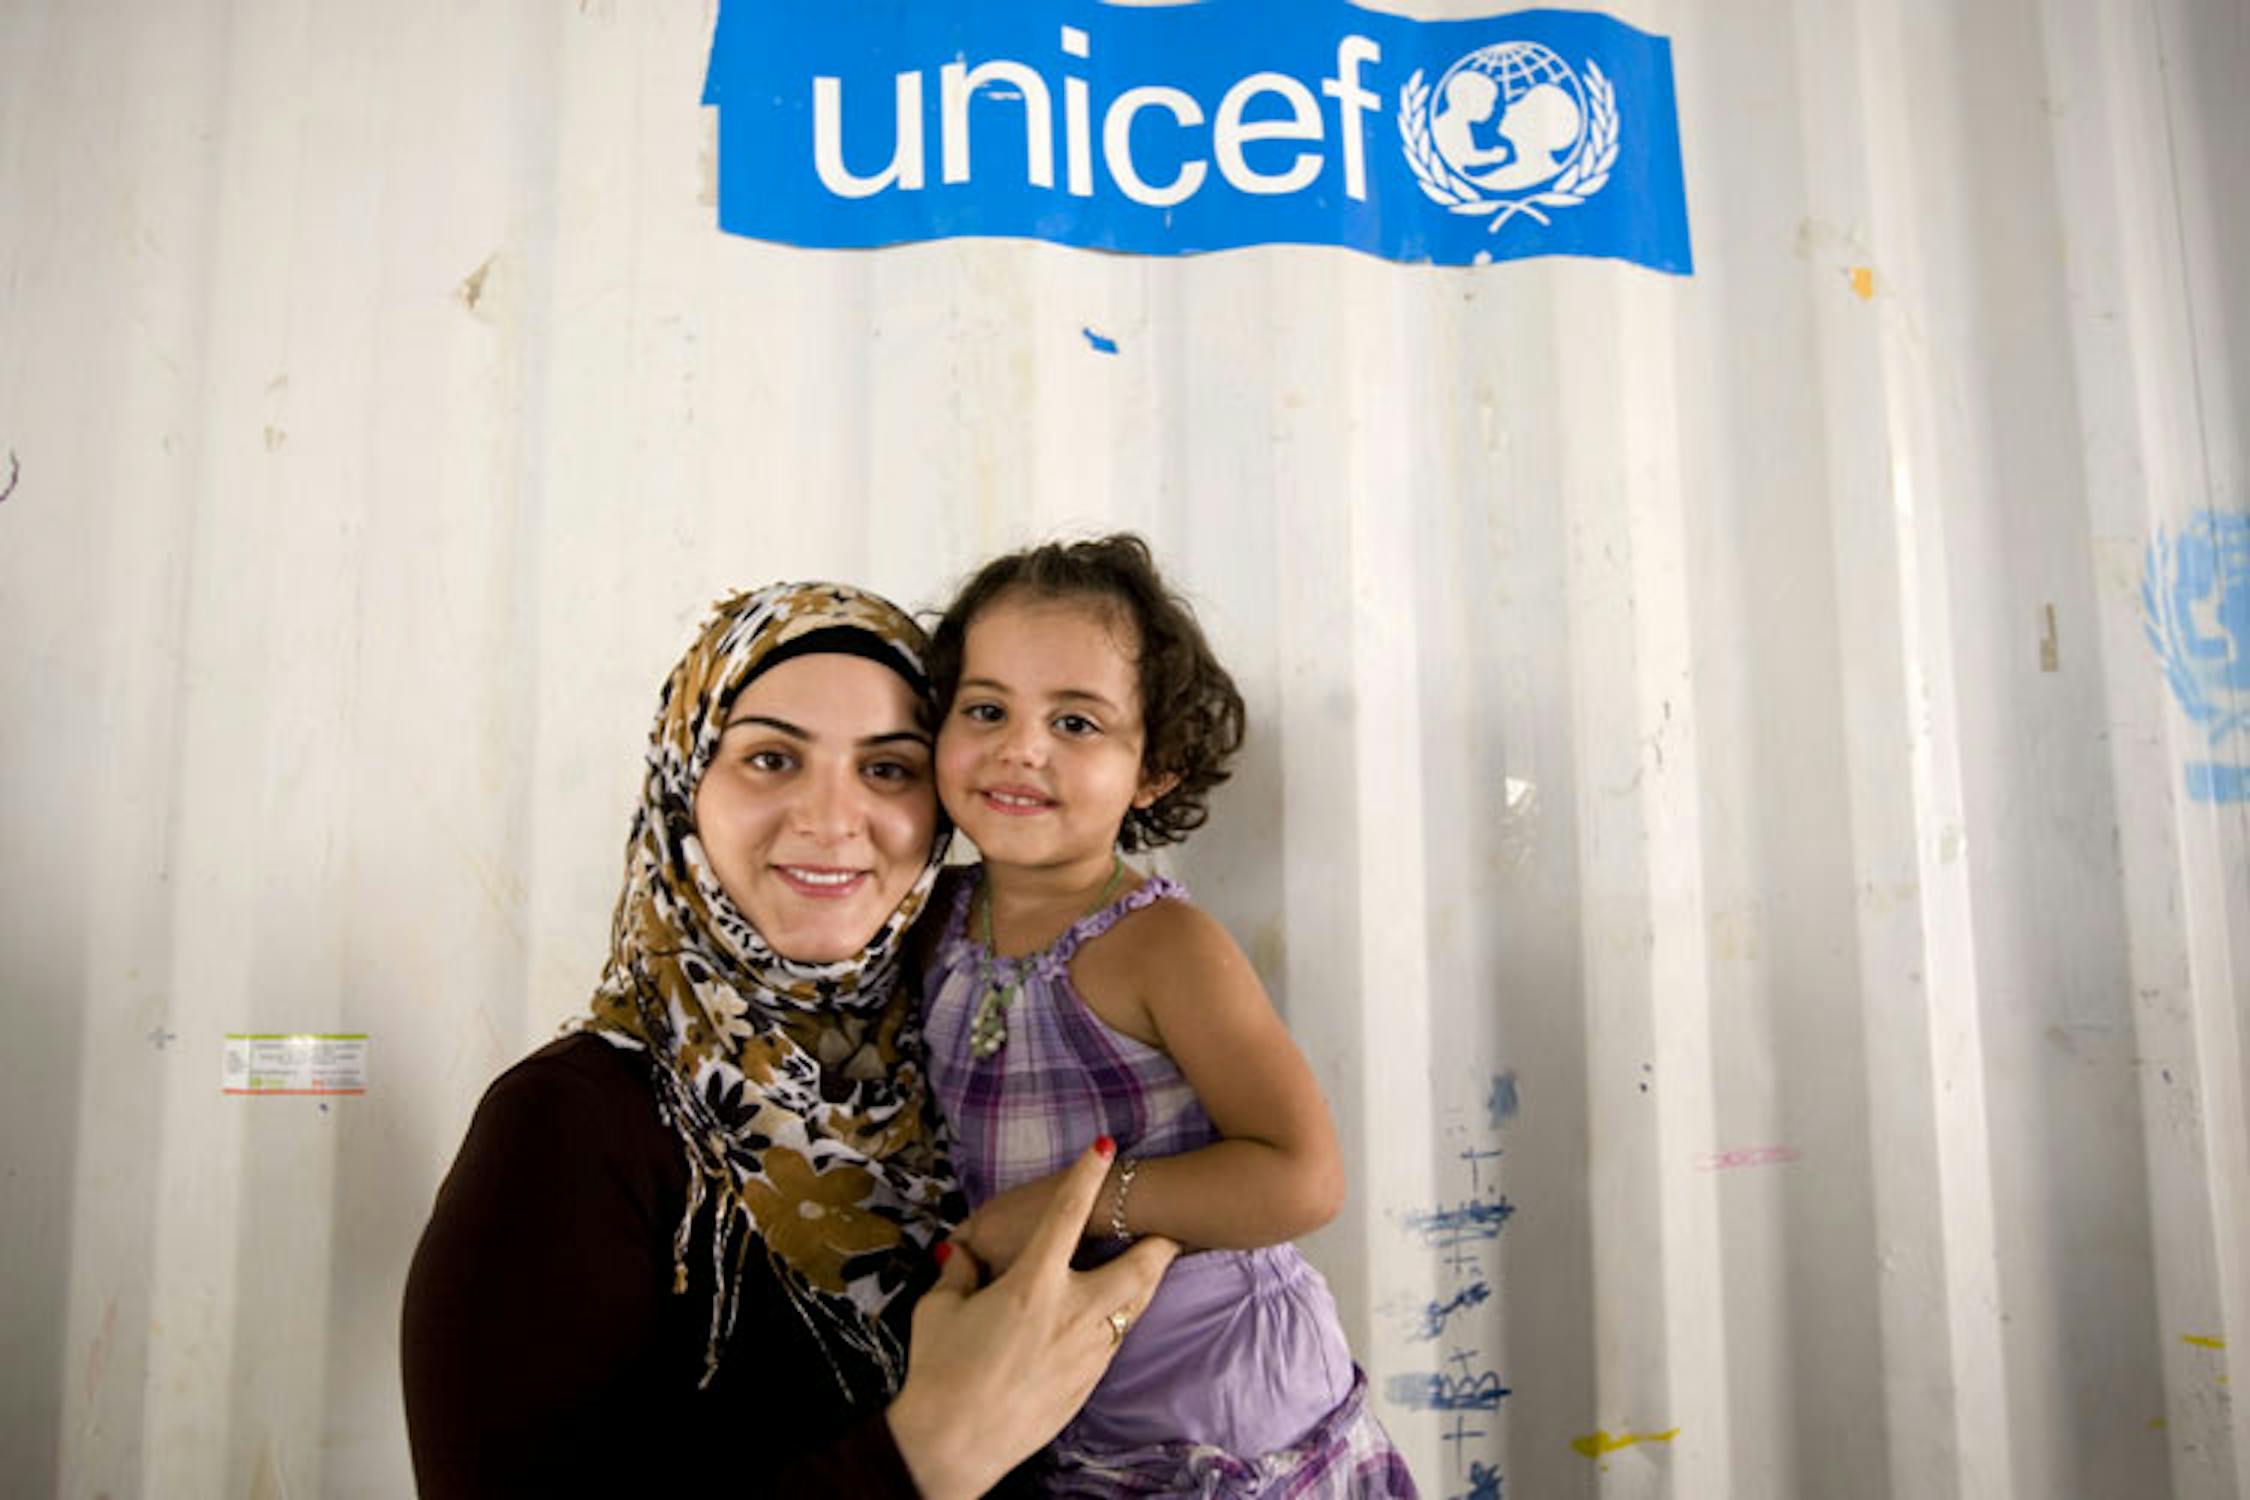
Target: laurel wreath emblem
2168	633
1584	175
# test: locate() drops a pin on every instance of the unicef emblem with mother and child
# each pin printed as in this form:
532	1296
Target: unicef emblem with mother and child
1510	129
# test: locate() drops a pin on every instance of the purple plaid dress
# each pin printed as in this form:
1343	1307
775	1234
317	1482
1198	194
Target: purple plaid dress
1236	1379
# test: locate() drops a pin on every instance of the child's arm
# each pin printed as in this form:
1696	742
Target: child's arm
1278	1172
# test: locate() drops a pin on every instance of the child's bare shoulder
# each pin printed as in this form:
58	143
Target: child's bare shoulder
1168	971
1165	942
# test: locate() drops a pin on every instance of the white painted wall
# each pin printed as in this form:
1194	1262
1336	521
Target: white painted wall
1717	706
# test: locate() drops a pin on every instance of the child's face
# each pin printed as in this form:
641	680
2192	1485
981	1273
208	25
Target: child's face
1039	758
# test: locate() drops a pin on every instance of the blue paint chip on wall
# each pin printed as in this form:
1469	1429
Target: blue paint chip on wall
1100	344
1501	1103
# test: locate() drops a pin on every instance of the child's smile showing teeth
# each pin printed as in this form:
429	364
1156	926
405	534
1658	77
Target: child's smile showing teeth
1017	800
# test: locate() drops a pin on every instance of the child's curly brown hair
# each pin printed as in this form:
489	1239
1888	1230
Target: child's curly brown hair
1191	714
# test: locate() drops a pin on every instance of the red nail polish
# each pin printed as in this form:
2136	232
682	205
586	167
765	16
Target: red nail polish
1105	1145
941	1252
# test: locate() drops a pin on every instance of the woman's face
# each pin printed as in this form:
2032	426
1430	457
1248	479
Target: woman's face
818	810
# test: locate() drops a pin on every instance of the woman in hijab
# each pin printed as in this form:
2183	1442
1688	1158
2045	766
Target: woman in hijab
681	1248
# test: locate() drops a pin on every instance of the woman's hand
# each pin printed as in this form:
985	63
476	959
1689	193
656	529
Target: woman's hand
992	1374
1002	1227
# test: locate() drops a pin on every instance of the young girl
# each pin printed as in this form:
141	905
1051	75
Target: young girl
1069	997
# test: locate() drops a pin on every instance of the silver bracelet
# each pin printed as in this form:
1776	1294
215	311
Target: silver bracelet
1126	1167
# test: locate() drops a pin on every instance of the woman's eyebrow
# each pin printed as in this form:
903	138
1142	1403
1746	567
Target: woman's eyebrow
779	726
783	726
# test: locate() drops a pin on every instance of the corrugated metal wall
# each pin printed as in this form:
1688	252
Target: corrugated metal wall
1710	782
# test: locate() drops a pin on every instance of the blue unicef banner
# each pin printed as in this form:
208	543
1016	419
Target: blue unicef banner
1170	130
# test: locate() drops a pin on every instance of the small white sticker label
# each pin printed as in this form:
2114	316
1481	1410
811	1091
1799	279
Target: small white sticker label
296	1063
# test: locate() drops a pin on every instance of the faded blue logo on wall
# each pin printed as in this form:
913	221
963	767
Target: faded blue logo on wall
1170	130
2195	605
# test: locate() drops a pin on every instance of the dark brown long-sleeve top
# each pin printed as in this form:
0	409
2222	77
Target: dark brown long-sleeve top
544	1350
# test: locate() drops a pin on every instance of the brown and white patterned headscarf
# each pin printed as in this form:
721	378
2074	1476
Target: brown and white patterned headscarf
797	1089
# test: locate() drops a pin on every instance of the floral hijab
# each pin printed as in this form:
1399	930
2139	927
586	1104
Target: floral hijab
797	1089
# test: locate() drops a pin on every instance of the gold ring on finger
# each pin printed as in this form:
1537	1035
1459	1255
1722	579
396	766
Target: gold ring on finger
1118	1322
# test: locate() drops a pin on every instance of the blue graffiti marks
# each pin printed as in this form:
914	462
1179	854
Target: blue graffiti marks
1435	1314
1476	1160
1462	1261
2195	608
1458	1435
1099	343
1475	1219
1464	1394
1434	1390
1484	1483
1500	1105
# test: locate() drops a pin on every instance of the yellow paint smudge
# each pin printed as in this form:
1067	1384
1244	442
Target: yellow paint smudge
472	288
2202	1342
1596	1443
1863	282
2156	1424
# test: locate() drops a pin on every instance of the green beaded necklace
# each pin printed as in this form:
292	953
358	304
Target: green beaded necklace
988	1029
